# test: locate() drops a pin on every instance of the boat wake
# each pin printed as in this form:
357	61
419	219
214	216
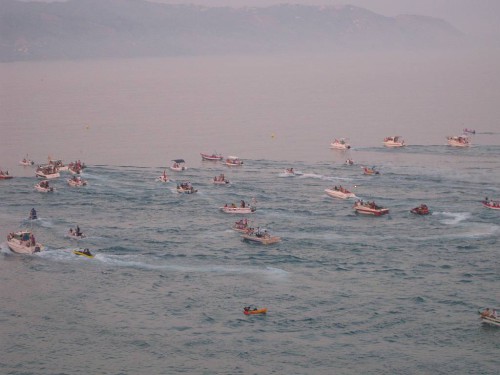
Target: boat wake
453	218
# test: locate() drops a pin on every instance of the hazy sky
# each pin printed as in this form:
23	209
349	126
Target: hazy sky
474	17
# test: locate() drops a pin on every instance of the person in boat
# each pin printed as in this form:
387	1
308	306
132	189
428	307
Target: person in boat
78	232
32	239
233	205
486	313
70	232
242	204
86	252
33	214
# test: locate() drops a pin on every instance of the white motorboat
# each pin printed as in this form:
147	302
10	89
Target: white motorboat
163	177
458	141
340	192
243	208
212	157
469	131
233	161
220	180
340	144
27	162
260	237
186	188
74	169
394	141
369	208
23	242
44	187
490	320
494	205
58	164
179	165
47	172
77	181
349	162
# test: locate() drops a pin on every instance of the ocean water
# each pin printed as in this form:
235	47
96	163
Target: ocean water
164	294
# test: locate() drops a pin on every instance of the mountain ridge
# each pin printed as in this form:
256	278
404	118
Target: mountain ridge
134	28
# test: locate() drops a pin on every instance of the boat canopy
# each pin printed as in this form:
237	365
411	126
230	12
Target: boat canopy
179	160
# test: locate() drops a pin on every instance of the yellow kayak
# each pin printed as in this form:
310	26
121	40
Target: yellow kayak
83	253
254	311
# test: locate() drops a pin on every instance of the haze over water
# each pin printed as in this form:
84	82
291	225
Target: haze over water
346	293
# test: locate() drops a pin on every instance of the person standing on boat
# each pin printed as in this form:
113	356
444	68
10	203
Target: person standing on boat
242	203
78	233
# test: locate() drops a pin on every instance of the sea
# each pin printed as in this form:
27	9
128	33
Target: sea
346	293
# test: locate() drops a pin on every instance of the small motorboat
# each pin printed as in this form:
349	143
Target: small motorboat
340	144
339	192
186	188
243	208
252	310
261	237
290	172
394	141
349	162
490	317
469	131
84	253
421	210
58	165
458	141
163	177
369	208
233	161
179	165
33	215
213	157
5	175
370	171
44	187
74	169
76	233
26	162
47	172
242	226
23	242
494	205
220	180
77	181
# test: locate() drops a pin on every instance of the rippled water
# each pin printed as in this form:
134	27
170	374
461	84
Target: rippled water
345	293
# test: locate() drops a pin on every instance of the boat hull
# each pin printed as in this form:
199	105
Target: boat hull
339	194
255	312
47	176
490	320
238	210
211	157
493	205
20	248
261	240
81	253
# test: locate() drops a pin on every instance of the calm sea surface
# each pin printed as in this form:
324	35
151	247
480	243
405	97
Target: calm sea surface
346	294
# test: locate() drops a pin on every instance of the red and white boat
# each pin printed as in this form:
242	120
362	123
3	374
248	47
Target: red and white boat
212	157
369	208
394	141
233	161
421	210
494	205
458	141
242	226
5	175
339	192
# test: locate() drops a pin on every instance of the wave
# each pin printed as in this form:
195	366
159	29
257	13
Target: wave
453	218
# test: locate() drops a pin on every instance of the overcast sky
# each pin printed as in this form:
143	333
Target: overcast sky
474	17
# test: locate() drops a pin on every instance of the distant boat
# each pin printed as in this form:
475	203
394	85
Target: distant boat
178	165
458	141
394	141
469	131
233	161
212	157
340	144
